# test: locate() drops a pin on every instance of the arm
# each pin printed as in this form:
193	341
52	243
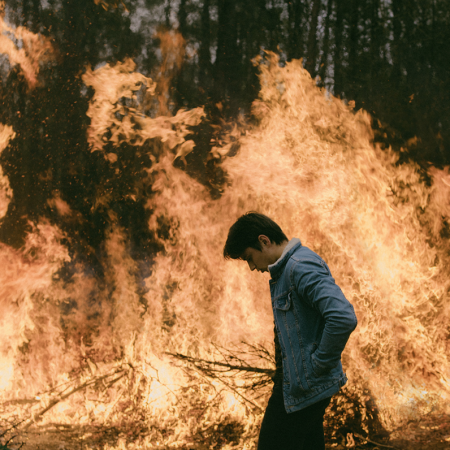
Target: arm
317	287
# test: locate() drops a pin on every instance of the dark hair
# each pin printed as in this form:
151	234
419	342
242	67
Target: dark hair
245	231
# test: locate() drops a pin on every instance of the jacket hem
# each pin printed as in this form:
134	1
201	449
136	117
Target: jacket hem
302	404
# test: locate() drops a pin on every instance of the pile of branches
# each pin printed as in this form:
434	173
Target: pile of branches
237	370
18	415
246	371
352	419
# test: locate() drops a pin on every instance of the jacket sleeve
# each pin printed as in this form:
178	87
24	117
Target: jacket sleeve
316	286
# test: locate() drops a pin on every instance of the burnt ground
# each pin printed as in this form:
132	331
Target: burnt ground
430	433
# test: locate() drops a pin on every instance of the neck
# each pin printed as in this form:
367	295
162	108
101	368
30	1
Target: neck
279	249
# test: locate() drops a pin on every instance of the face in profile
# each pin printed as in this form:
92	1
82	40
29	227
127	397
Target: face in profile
260	259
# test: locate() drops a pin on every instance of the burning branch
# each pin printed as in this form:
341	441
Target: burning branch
231	366
63	395
212	373
2	435
364	439
206	366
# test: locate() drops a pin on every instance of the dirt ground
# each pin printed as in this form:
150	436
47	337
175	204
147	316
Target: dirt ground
429	433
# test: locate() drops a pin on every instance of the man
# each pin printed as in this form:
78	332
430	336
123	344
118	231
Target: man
313	321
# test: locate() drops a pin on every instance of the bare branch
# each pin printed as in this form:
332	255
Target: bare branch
244	368
75	389
373	442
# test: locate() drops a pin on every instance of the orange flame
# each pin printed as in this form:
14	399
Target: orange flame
312	166
32	50
6	134
173	50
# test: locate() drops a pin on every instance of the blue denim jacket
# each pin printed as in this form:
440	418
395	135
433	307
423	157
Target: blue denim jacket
313	320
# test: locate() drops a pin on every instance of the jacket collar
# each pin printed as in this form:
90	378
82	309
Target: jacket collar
277	267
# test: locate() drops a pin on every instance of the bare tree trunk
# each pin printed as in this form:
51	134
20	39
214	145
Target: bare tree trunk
375	44
433	37
375	30
295	39
312	39
205	45
227	63
182	17
167	15
353	70
326	44
397	30
338	35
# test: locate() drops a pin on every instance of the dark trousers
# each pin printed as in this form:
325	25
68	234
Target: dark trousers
300	430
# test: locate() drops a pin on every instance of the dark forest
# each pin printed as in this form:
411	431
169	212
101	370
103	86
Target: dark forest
390	57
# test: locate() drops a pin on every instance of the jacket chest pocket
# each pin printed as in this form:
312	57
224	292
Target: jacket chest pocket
283	302
284	312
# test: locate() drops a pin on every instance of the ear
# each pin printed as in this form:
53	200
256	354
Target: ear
264	240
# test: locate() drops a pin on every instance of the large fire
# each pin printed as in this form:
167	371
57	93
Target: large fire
76	352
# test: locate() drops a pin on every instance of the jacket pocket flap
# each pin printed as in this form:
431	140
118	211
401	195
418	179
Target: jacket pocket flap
284	302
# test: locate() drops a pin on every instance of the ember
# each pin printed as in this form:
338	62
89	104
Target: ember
178	353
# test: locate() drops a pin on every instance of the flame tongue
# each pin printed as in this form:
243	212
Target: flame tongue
311	165
34	49
6	134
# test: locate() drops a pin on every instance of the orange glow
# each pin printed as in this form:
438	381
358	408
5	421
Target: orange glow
34	49
6	134
311	165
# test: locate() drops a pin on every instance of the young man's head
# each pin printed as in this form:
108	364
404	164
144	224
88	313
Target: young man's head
257	239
